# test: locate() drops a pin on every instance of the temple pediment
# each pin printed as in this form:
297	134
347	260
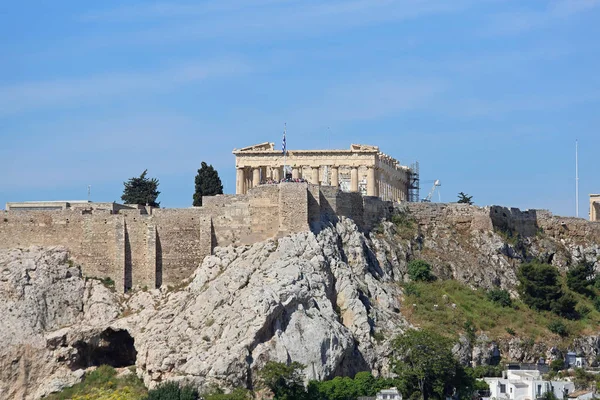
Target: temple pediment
363	147
266	146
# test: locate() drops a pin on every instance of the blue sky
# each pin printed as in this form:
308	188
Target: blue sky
488	95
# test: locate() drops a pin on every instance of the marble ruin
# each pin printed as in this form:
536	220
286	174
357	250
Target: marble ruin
595	207
362	168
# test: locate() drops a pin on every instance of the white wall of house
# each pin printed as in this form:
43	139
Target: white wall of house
526	385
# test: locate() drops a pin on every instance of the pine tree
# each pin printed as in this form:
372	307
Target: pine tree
465	198
141	191
208	183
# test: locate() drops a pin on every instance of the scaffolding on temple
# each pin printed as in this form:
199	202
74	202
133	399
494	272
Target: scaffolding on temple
413	183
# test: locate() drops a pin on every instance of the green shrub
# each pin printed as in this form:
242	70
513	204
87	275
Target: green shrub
108	282
580	279
540	288
420	270
500	297
511	331
583	310
172	391
236	394
558	327
557	365
597	303
410	289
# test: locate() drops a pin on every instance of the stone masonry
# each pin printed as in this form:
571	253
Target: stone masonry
141	247
149	248
362	168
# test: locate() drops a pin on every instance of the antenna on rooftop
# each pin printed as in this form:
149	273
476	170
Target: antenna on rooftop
576	178
89	192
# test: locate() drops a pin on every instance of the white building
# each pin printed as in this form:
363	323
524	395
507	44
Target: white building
526	385
389	394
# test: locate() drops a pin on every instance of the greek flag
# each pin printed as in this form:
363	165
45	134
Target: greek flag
283	144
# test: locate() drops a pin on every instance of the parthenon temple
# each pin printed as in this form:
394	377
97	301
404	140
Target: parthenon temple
362	169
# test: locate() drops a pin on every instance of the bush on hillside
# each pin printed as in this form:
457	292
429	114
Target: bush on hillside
500	297
580	279
420	270
557	365
172	391
558	327
540	288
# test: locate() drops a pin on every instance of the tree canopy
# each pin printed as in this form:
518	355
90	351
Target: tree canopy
207	182
141	190
540	288
581	279
420	270
425	366
285	381
465	198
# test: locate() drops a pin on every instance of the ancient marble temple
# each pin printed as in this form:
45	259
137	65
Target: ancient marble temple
362	168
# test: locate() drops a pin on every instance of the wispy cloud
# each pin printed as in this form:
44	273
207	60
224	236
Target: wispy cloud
26	96
261	18
511	23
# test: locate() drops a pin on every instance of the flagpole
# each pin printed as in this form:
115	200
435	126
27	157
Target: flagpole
576	178
284	151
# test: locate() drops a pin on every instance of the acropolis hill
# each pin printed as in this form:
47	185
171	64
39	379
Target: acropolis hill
148	247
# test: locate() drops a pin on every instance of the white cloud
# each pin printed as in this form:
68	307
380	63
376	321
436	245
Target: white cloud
265	19
23	97
512	23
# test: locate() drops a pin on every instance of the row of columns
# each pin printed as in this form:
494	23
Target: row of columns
247	178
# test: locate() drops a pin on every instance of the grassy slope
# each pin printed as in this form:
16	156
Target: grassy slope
103	384
485	315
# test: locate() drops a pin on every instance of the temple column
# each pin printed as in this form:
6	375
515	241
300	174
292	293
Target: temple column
295	173
248	179
263	174
371	182
276	173
255	176
239	180
354	179
315	175
335	176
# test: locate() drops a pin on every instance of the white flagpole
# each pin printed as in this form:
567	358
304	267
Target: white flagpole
576	178
284	151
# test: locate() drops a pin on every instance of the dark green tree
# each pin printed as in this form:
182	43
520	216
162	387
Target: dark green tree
539	288
581	279
172	391
141	191
424	363
420	270
208	183
500	297
285	381
464	198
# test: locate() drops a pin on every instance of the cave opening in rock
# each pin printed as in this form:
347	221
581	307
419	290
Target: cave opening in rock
111	347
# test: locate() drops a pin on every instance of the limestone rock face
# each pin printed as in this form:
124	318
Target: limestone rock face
306	298
40	292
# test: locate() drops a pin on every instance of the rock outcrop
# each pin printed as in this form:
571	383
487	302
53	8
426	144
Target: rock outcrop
41	292
329	299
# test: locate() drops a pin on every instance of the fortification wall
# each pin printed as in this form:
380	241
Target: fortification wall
183	238
463	216
293	208
230	218
91	238
139	248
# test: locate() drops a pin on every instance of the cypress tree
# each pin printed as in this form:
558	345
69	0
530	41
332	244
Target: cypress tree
141	191
207	182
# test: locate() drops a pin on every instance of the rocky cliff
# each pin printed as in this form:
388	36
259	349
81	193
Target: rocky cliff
329	299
